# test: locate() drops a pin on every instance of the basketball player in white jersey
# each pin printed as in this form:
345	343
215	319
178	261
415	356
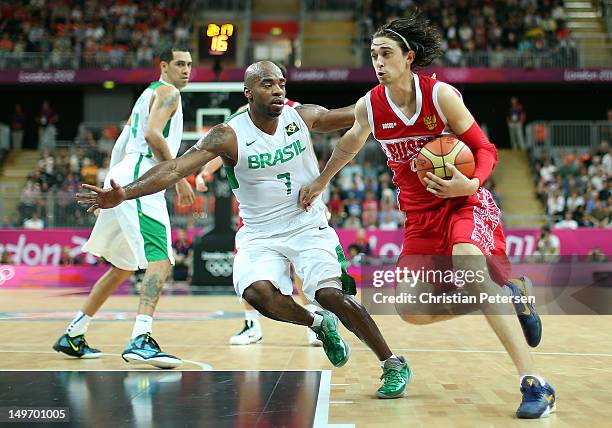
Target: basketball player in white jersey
137	235
268	156
252	331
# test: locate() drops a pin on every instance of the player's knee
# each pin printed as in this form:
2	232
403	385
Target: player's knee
257	294
329	297
471	264
160	267
413	314
418	319
466	249
120	273
339	303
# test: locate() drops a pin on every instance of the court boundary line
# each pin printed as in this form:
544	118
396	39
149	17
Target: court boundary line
321	418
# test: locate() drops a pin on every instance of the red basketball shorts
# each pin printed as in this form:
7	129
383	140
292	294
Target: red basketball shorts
476	221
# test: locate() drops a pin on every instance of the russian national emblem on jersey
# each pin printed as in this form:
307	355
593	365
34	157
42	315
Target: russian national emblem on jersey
430	122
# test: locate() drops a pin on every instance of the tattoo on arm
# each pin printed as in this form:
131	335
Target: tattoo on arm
216	141
169	101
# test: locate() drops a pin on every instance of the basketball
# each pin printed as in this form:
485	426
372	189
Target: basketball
434	156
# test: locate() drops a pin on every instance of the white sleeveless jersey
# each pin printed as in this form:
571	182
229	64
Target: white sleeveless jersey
173	130
269	173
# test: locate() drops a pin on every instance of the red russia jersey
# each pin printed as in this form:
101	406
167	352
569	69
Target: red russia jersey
401	138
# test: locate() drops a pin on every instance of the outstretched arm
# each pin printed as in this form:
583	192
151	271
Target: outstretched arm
220	141
320	119
346	149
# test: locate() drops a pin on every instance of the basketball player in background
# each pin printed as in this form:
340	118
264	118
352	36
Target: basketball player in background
455	218
268	155
137	235
252	331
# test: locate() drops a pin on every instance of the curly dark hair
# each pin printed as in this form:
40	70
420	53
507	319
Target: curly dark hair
422	38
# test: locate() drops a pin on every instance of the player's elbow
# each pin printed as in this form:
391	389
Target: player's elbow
218	137
494	153
223	130
153	137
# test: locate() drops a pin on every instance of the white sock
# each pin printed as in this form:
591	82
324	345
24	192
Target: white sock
251	316
143	324
538	377
312	307
382	363
79	325
317	320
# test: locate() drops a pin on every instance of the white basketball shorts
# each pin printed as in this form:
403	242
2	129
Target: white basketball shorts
137	231
315	252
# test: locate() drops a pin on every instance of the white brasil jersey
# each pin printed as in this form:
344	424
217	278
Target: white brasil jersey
173	130
137	232
270	171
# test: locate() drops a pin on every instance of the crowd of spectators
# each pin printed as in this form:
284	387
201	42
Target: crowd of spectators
575	187
492	27
92	33
119	33
60	173
49	190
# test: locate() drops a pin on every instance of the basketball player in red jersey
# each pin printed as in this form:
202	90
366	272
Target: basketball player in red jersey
455	217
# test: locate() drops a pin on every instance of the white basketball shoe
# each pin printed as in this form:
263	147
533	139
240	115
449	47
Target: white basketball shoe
251	333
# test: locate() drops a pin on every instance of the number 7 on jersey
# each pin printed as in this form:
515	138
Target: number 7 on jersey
286	176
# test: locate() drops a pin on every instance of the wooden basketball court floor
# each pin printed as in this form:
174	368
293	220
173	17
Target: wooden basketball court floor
463	377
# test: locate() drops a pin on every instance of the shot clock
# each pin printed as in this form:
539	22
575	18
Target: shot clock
217	40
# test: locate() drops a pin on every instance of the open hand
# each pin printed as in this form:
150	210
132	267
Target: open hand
201	182
101	198
309	193
185	193
458	185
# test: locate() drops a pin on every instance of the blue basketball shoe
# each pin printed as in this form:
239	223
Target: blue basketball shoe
76	347
538	400
144	349
527	315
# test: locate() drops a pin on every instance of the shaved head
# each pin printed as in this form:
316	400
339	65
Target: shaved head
264	88
259	71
